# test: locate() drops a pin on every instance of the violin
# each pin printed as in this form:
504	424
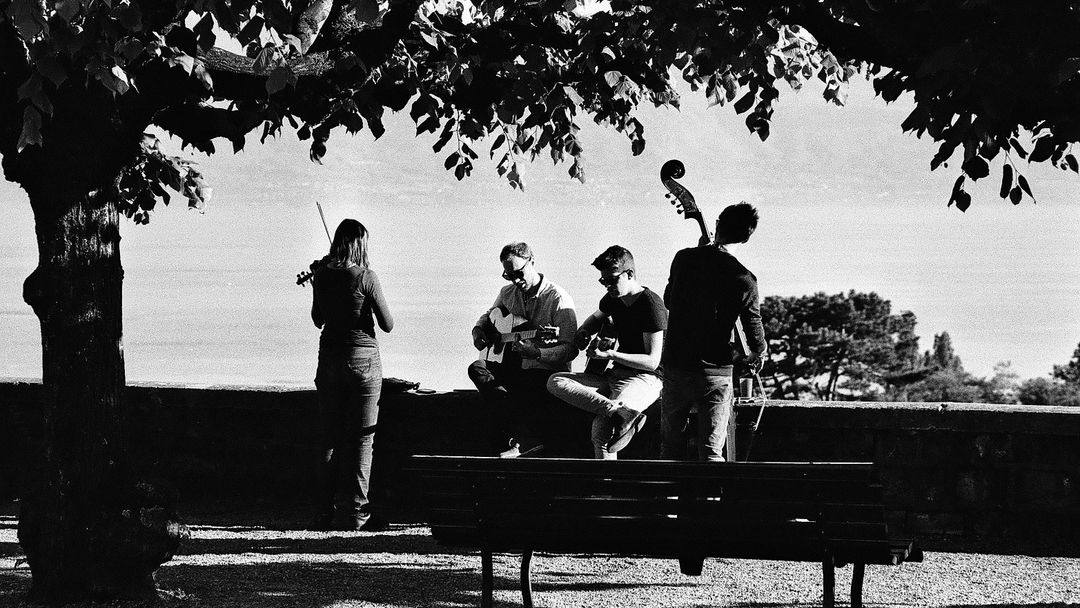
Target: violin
679	196
303	277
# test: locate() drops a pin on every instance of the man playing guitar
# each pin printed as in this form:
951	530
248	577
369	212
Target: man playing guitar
618	396
524	337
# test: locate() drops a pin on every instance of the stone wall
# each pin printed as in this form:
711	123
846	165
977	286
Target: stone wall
1000	479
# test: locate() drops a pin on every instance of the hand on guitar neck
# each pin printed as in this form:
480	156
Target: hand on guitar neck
600	348
523	337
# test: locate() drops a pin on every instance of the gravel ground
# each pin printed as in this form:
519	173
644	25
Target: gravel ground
268	565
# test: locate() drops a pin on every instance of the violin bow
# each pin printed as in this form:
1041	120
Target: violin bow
324	226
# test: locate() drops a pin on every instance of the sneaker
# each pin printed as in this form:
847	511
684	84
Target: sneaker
525	447
625	431
376	523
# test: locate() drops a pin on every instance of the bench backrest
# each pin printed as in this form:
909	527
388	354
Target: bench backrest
661	508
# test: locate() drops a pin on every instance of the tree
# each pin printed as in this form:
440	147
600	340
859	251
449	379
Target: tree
1047	391
833	346
1061	388
81	81
1070	372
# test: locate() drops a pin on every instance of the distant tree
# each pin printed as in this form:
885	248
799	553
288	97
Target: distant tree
944	377
948	385
942	357
1070	372
834	346
1003	386
1047	391
1061	388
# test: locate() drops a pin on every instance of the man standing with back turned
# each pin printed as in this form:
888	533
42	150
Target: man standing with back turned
708	291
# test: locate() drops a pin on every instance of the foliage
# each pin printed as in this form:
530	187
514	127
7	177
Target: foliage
1070	372
834	346
523	74
1047	391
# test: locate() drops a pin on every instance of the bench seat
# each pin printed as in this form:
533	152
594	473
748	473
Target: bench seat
831	513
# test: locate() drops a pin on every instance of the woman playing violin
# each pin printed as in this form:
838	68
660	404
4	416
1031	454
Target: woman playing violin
347	303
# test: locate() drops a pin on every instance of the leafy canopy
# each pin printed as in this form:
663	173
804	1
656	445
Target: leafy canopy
985	76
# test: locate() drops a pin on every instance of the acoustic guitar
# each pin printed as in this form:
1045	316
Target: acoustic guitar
607	336
509	328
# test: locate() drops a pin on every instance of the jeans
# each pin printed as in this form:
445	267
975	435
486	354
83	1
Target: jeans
713	397
348	382
517	405
602	394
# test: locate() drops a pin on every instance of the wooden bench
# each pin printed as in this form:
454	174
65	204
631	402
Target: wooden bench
831	513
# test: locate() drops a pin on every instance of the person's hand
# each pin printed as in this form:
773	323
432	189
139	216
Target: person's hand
581	339
479	340
593	352
755	363
526	349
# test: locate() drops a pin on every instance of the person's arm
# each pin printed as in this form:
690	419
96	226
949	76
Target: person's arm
647	361
750	318
564	349
588	328
316	312
378	303
482	328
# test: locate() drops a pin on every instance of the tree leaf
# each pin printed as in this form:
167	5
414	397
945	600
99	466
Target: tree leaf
963	200
1016	195
744	102
1020	179
976	167
1006	180
1044	147
31	129
573	96
1071	161
281	77
250	31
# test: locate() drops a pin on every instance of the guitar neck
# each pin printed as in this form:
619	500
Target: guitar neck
514	336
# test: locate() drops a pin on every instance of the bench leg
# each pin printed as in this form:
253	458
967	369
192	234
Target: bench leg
828	572
691	565
487	579
857	571
526	582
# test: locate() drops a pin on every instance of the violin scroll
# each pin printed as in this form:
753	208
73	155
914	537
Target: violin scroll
684	202
303	277
672	169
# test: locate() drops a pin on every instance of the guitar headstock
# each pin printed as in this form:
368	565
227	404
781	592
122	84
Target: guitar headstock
547	335
303	277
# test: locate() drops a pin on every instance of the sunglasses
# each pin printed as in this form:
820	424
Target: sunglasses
514	275
613	279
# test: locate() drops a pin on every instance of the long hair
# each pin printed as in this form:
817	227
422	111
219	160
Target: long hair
350	244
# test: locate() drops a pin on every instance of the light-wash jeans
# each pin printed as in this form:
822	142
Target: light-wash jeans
713	397
601	395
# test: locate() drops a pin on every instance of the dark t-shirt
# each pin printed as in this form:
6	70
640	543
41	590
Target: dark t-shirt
707	291
645	315
344	298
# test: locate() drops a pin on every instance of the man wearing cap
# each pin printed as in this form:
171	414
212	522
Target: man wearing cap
708	290
619	396
511	376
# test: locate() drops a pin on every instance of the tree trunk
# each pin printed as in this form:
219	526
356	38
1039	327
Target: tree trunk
90	528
